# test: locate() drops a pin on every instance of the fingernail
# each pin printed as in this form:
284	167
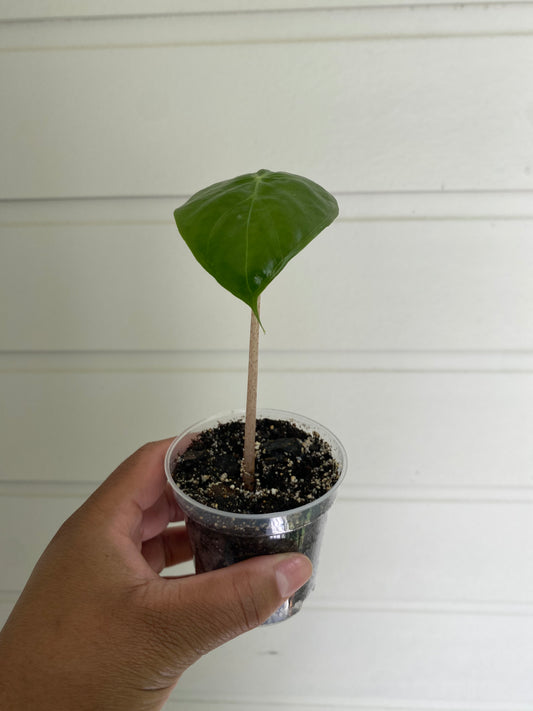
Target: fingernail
291	573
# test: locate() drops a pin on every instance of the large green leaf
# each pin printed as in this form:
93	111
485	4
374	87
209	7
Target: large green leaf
244	231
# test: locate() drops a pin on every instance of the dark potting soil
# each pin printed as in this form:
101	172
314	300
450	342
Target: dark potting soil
292	468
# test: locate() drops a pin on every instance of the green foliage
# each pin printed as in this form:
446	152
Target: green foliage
243	231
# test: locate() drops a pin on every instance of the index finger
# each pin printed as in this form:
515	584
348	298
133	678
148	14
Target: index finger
140	480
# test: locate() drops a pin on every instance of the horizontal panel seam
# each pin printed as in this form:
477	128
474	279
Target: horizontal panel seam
356	7
355	206
283	33
365	193
384	218
414	362
355	704
473	608
22	487
437	36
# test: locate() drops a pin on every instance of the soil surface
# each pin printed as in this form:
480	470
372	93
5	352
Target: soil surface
293	468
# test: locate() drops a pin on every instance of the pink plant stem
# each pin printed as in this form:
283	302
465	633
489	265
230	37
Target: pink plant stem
248	468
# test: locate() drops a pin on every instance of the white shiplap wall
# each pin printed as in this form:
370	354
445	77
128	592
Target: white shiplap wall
409	327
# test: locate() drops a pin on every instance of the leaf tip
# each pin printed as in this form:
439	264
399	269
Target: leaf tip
255	309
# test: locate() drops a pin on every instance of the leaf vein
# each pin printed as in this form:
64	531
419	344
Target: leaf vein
247	237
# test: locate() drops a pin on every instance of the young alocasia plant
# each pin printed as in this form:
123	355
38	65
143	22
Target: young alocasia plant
244	231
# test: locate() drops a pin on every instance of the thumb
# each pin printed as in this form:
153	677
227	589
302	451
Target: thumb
209	609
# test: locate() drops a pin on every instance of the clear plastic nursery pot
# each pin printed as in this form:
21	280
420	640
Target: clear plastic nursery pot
220	538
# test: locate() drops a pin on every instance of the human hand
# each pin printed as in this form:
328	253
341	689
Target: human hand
98	628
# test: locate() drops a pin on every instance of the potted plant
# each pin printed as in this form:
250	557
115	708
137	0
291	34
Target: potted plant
253	483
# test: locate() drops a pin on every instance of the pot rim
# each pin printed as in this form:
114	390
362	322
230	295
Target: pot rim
230	415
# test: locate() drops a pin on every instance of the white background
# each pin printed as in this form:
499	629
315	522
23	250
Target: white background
407	327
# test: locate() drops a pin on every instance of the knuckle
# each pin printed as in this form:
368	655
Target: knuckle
145	448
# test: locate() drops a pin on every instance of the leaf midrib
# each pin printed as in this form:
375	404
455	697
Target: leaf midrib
253	198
